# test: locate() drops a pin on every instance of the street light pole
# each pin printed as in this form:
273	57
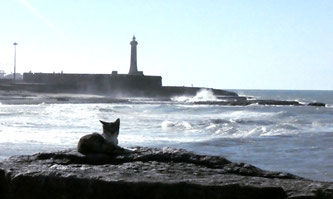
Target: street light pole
15	44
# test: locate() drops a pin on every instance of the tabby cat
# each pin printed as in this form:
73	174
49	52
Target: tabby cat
107	142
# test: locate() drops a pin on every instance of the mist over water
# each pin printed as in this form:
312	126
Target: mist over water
283	138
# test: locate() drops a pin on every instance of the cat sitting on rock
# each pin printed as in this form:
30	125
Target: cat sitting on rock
105	143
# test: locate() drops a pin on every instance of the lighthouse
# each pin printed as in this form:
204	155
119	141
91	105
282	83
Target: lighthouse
133	67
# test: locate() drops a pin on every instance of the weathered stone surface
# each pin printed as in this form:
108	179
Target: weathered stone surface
147	173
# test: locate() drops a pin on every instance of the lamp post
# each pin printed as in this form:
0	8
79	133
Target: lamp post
15	44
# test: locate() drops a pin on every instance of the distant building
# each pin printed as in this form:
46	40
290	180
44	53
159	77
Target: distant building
11	76
133	81
2	74
133	67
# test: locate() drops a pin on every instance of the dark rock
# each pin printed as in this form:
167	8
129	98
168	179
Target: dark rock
317	104
240	101
147	173
277	102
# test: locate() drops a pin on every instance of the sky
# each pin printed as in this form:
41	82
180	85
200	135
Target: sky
226	44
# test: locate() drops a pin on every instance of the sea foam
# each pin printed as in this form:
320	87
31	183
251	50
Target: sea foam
183	125
203	95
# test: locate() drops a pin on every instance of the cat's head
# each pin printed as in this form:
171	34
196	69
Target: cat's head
111	128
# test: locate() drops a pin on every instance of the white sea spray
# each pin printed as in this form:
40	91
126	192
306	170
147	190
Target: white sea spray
203	95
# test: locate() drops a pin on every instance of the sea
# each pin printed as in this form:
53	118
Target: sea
294	139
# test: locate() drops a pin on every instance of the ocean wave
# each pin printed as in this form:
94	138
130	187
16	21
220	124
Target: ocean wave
329	105
287	126
113	109
247	114
241	121
254	104
301	101
255	132
243	128
283	114
203	95
11	113
250	121
107	110
183	125
219	121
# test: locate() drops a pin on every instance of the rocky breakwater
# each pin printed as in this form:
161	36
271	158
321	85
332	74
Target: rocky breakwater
243	101
147	173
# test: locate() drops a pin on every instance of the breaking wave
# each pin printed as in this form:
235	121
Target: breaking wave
168	124
203	95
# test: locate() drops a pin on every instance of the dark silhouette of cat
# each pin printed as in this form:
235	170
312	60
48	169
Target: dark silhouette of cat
106	143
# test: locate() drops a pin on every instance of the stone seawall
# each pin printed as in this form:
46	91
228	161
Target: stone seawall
141	172
116	86
94	82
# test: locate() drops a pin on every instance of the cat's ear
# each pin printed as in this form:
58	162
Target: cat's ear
117	122
104	123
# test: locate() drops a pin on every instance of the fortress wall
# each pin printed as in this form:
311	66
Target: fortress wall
136	81
100	82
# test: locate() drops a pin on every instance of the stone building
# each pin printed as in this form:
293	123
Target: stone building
134	81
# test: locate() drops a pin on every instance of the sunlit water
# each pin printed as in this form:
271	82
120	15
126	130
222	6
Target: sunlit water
282	138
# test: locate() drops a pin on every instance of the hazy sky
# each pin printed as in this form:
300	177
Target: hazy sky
235	44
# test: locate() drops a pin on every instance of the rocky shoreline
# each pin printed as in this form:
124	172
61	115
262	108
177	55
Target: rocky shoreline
48	98
141	172
245	102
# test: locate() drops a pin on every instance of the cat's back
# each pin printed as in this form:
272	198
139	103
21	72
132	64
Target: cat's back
91	143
